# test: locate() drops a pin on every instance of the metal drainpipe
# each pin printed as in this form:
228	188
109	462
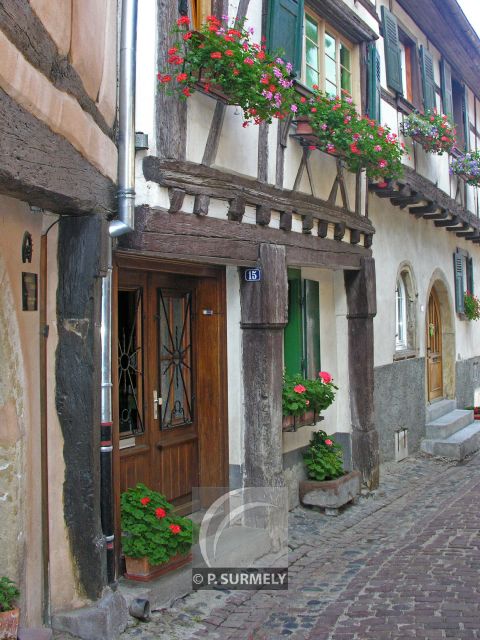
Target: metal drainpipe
123	224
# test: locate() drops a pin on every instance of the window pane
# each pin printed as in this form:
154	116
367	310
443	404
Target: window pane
130	362
344	56
331	70
311	54
311	28
330	46
312	77
346	80
330	89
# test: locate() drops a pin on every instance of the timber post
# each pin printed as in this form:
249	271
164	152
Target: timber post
362	308
264	316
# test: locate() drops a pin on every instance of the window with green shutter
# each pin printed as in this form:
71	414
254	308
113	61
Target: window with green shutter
463	274
446	82
393	64
460	114
428	79
374	83
284	30
302	333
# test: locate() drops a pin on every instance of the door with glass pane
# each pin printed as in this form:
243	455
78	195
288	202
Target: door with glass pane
170	380
434	348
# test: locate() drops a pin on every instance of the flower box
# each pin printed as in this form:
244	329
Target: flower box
9	624
141	570
292	423
211	89
330	494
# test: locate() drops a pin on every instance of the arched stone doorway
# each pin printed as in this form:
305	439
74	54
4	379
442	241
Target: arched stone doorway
439	340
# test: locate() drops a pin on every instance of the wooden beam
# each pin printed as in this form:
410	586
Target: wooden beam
450	222
177	197
419	212
307	223
197	179
264	215
286	220
339	231
25	30
465	227
322	228
354	236
42	168
439	215
404	201
236	209
468	235
194	238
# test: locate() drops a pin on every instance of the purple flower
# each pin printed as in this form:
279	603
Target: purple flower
294	108
289	67
277	73
279	61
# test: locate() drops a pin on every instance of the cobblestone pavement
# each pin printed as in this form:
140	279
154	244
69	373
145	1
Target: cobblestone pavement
403	563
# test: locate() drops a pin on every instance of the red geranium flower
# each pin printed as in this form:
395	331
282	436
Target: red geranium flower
160	513
183	20
299	388
182	77
186	92
172	51
216	55
229	52
187	36
145	501
175	528
326	377
328	443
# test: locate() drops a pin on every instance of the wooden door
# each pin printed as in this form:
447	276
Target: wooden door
434	349
170	389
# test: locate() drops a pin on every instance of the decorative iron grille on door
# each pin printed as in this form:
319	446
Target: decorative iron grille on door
175	357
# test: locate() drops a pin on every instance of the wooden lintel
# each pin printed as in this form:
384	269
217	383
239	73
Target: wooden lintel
190	237
264	214
354	236
201	180
286	220
177	197
339	231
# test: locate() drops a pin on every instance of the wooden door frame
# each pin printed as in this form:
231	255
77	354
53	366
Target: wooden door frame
131	261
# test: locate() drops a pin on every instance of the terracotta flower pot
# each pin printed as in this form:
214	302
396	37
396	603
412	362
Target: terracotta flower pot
141	570
9	624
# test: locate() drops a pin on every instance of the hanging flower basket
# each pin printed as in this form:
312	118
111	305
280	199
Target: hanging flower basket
433	131
222	60
333	125
467	167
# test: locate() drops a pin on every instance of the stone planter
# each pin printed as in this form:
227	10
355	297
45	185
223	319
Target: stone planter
331	494
141	570
9	624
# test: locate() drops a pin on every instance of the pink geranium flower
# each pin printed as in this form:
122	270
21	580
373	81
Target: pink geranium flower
299	388
326	377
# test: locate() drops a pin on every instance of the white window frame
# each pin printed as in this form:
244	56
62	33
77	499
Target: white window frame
325	28
401	329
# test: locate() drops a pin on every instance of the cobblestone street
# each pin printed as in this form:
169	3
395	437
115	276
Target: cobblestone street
403	563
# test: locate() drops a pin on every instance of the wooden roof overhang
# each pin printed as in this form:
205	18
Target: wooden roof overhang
204	237
425	200
446	26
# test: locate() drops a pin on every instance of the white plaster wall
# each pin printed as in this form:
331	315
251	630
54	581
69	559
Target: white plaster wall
401	238
146	78
236	413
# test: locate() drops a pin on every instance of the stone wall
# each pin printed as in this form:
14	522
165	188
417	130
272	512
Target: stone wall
399	397
468	382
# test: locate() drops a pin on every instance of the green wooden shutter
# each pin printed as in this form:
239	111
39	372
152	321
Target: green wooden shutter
458	274
285	29
393	61
446	80
293	332
374	83
470	275
428	79
466	119
311	326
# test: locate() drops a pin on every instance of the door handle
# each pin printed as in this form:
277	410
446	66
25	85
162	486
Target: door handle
157	402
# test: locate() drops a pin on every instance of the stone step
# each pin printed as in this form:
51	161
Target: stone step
438	409
448	424
456	446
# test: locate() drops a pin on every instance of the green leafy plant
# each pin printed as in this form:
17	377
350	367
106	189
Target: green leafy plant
323	458
300	394
151	529
340	130
224	55
471	306
433	131
467	167
8	594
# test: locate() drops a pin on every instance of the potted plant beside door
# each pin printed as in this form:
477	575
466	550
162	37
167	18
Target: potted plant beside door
154	539
9	614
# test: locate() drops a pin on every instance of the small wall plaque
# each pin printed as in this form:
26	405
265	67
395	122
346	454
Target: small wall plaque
27	247
29	291
253	275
